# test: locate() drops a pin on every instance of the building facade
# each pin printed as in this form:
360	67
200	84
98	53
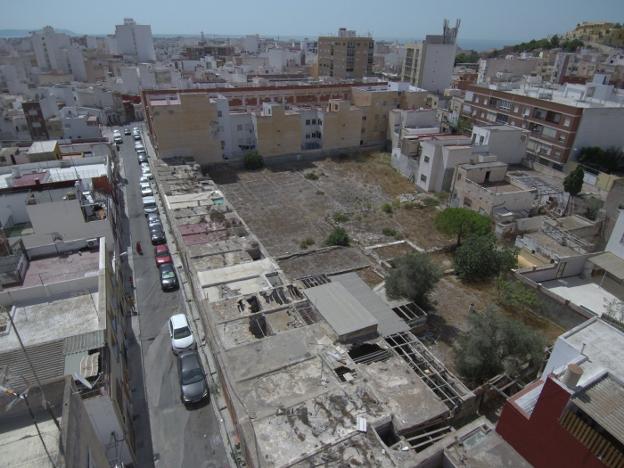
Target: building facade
345	56
135	40
429	64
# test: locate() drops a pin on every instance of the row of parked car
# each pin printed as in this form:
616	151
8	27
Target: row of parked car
193	386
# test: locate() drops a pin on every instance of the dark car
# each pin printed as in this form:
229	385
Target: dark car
168	277
162	254
157	235
193	387
142	157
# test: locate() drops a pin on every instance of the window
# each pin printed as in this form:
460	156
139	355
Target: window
219	114
516	109
307	136
549	132
423	178
426	159
308	122
566	122
239	127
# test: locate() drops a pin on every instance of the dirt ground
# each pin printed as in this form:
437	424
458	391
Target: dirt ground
289	203
452	299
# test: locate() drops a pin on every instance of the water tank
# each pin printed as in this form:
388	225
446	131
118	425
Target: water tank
572	375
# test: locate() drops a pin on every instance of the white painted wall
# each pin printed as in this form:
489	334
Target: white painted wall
600	127
615	244
437	67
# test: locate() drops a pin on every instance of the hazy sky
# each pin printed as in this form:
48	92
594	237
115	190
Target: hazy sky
481	19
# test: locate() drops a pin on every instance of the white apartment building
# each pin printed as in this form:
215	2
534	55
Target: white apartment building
48	45
429	64
135	40
55	52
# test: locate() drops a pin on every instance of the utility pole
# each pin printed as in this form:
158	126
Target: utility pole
46	404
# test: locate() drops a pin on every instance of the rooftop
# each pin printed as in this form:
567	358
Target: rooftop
53	320
66	267
582	292
43	146
594	345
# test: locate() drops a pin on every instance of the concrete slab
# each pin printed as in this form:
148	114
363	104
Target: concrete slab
408	399
61	268
21	448
582	292
54	320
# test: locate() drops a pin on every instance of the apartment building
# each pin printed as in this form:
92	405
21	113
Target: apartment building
278	130
345	56
135	40
429	64
570	416
560	121
225	123
511	68
376	103
185	124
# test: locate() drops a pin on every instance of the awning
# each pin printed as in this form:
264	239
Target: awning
610	263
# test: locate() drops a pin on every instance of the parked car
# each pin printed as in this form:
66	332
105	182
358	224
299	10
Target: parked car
180	334
157	236
118	139
149	206
137	137
168	277
142	158
193	387
148	173
154	221
162	254
144	180
138	147
127	131
146	191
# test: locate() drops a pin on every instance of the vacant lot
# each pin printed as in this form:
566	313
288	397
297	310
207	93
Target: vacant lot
290	203
452	299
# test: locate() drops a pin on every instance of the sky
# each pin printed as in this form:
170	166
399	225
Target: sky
406	19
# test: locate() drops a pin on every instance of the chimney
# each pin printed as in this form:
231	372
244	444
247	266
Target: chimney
572	376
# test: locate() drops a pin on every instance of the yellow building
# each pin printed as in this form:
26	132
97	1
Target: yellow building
186	125
342	125
278	130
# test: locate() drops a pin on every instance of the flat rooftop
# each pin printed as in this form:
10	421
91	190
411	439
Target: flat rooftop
582	292
594	345
21	447
61	268
53	320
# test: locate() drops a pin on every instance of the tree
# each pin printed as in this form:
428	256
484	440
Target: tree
479	258
496	343
573	183
462	222
253	160
413	277
554	41
338	237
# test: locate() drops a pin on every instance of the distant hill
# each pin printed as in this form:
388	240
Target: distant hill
16	33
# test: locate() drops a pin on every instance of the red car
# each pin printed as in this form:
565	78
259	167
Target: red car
162	255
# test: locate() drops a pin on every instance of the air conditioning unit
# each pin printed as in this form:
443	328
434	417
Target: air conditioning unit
93	243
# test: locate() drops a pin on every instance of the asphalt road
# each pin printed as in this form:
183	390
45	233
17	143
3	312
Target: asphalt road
181	437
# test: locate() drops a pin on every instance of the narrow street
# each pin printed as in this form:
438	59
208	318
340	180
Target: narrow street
180	437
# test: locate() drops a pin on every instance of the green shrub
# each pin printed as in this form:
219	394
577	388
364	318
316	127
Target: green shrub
338	237
390	232
387	208
340	217
307	242
253	160
311	176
